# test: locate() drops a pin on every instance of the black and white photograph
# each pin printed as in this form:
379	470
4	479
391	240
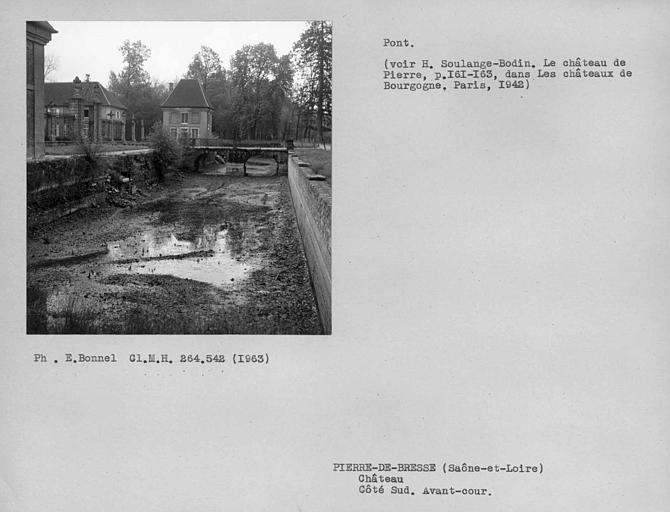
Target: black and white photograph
474	319
179	177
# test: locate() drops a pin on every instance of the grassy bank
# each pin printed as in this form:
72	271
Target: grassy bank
318	159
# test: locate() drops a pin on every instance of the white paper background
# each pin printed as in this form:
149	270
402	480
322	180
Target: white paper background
500	291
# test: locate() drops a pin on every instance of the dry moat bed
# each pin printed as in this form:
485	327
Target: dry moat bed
206	254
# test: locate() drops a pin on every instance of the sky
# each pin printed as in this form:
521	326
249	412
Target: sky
92	47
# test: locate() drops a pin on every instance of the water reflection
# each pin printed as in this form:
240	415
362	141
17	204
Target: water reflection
208	258
255	166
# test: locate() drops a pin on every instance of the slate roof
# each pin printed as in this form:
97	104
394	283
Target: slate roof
60	93
187	93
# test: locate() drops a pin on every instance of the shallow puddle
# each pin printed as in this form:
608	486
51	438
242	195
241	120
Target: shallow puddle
225	170
208	258
211	255
254	167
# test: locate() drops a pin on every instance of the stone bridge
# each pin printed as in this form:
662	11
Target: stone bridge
203	151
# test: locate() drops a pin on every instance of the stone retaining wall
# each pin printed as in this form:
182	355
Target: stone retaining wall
57	187
312	202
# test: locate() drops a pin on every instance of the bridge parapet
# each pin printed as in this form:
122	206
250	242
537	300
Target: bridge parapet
237	143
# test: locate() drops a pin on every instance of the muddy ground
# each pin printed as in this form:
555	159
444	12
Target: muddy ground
198	254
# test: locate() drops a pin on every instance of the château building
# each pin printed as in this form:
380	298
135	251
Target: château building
83	110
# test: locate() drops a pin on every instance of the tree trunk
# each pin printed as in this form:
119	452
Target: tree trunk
296	135
319	108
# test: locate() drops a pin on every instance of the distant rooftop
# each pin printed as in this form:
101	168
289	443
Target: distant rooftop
187	93
59	93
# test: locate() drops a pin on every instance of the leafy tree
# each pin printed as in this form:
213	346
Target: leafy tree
134	87
260	84
133	74
315	57
206	67
147	103
167	150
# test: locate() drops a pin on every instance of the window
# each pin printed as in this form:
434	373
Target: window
174	117
85	112
195	117
173	132
194	133
184	117
183	133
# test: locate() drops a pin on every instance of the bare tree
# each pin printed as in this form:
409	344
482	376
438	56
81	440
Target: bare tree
50	66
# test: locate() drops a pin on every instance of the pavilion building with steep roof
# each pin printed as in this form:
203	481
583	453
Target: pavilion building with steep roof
187	113
83	110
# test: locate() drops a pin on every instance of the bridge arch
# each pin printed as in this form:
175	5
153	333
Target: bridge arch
240	155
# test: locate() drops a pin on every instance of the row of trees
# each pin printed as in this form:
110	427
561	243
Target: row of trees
261	95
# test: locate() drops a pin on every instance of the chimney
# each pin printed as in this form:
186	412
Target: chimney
171	86
87	77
